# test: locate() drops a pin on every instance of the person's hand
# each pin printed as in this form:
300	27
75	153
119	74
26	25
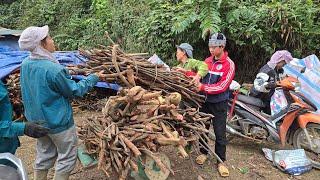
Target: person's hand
196	79
100	74
199	87
35	130
270	85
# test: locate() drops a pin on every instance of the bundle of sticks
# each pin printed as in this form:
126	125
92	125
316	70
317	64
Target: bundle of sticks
13	85
89	102
139	121
94	100
129	70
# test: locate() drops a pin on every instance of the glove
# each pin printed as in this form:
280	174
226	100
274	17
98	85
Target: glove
270	85
35	131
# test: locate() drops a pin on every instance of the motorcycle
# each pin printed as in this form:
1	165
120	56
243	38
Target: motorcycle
297	124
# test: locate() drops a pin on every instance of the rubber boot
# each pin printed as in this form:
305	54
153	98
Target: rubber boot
61	176
40	174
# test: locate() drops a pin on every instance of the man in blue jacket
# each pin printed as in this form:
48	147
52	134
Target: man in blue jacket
9	131
47	88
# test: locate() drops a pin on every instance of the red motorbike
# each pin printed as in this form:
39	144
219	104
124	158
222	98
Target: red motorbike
297	124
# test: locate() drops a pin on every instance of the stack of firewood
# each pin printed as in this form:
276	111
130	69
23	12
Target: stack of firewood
129	71
94	100
13	85
136	122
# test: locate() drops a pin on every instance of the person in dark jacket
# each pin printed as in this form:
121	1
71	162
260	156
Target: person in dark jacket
263	86
215	87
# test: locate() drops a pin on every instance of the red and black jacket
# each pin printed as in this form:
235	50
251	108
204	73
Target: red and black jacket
215	84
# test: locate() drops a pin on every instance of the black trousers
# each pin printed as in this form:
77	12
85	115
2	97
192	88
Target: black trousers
219	110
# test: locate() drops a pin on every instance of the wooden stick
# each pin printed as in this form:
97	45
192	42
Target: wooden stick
130	145
133	165
114	60
158	161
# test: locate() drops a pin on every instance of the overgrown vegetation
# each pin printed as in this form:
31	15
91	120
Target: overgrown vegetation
254	28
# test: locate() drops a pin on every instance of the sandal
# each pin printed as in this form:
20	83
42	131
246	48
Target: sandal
223	170
201	159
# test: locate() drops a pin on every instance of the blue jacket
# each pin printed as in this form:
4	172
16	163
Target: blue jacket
47	89
9	131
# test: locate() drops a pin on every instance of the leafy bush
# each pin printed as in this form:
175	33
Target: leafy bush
254	28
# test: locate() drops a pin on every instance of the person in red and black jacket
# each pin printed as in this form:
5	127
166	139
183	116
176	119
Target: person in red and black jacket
215	87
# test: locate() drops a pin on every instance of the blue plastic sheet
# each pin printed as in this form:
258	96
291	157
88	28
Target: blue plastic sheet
9	44
113	86
309	80
11	60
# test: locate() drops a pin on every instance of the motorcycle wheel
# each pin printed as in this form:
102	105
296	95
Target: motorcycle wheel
300	142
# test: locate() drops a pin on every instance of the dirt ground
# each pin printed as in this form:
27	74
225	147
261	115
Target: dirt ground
245	161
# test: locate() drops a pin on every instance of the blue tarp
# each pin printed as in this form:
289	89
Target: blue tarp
310	79
9	44
11	60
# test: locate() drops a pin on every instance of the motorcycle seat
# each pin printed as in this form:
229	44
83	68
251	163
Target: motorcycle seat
279	114
251	100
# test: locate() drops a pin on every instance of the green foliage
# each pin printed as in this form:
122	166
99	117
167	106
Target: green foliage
209	17
155	29
9	14
203	14
254	28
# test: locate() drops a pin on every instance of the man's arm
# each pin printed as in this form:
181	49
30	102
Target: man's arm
8	128
69	88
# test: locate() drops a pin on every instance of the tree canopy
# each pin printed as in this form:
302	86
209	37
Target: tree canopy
254	28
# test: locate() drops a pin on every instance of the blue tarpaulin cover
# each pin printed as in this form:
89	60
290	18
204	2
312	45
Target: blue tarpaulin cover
11	60
310	79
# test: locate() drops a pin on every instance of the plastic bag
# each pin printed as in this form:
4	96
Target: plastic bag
294	162
234	85
156	60
278	102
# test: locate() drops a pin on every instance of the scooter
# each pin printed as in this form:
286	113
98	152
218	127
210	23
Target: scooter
297	124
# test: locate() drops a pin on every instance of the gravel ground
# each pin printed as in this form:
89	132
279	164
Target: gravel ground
245	161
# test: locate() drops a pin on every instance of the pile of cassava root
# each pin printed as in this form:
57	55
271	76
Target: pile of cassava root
136	122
